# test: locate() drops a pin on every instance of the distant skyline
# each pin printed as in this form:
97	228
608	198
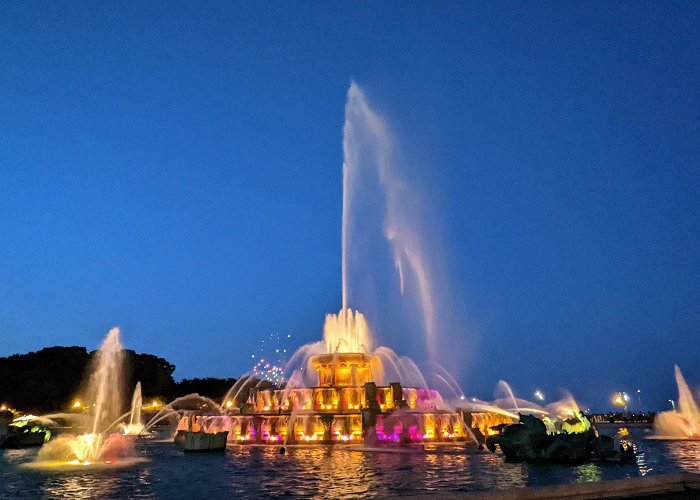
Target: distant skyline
175	169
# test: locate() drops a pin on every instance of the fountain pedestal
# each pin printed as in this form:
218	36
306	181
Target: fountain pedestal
203	441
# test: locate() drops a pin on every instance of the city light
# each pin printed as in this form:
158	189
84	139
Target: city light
619	399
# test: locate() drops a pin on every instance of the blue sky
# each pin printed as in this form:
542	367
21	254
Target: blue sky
175	169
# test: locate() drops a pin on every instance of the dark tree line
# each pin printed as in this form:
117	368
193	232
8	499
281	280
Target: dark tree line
48	380
43	380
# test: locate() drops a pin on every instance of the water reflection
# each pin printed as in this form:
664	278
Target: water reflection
641	459
588	473
80	486
261	472
685	453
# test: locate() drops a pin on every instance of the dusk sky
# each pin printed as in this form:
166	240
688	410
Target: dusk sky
175	168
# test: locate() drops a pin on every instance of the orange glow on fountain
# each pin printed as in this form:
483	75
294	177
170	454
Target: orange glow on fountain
683	422
345	389
345	369
342	403
103	445
347	332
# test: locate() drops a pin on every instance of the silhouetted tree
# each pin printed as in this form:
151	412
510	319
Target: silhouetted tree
48	379
44	380
154	373
214	388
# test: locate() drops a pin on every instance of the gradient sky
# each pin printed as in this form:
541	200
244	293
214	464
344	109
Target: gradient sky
174	168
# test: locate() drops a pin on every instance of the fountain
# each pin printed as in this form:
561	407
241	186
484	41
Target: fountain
135	427
102	445
339	394
559	432
683	422
342	389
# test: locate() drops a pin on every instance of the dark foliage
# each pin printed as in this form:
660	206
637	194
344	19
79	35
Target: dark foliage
44	380
214	388
48	379
154	373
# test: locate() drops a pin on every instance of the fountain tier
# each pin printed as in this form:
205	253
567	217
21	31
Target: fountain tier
346	405
345	369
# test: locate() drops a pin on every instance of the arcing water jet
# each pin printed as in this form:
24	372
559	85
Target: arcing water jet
105	388
684	422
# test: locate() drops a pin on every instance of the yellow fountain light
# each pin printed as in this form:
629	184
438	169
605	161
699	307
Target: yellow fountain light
155	404
619	399
77	405
229	404
3	408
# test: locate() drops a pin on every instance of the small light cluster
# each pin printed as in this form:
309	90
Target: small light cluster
271	357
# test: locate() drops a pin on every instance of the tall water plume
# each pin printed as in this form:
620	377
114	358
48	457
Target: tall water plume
136	403
105	390
106	384
371	162
684	423
135	425
347	331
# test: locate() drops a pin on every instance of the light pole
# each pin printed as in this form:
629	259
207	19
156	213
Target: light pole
673	404
639	399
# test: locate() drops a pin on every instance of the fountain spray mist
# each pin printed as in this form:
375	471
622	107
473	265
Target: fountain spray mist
106	385
683	423
105	390
369	149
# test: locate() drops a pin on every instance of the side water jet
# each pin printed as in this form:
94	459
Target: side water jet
97	447
683	423
135	427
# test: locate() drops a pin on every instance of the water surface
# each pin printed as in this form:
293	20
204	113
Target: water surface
325	472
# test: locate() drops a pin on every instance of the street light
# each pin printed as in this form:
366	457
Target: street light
673	404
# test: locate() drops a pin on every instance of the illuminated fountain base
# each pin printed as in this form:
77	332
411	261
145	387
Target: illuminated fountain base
346	407
87	450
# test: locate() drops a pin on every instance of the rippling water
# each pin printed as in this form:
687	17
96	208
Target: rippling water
324	472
